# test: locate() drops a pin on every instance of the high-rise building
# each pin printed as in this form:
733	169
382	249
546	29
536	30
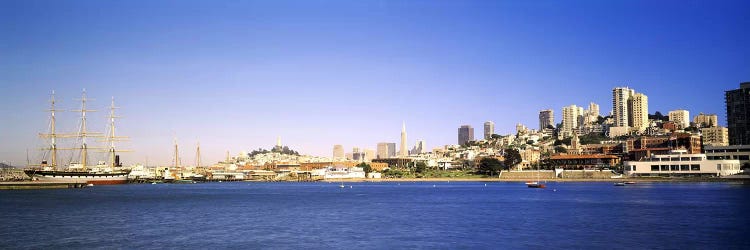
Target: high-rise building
382	150
706	120
404	151
338	151
489	129
715	136
419	147
593	109
546	119
738	114
680	117
370	154
629	110
391	149
638	108
465	134
620	97
570	117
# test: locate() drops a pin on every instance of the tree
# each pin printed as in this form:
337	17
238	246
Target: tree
490	166
420	167
512	158
365	167
496	136
561	149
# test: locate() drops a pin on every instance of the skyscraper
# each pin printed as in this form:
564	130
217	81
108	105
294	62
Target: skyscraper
404	151
546	118
465	134
738	114
593	109
570	117
638	109
629	109
620	97
489	129
382	150
391	149
419	147
338	151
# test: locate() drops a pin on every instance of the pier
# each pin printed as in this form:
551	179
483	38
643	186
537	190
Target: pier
39	185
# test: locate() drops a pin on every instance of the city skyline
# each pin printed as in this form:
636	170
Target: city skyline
237	76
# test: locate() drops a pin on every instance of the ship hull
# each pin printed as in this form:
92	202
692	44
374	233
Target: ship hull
80	177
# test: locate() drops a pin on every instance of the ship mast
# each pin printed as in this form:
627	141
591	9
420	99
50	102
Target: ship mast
83	133
112	138
52	135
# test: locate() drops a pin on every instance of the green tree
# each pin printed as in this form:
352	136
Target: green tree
365	167
561	149
512	158
490	166
420	167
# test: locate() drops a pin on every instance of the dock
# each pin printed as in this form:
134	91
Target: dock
14	185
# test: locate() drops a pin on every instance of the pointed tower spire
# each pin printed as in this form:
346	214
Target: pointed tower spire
404	151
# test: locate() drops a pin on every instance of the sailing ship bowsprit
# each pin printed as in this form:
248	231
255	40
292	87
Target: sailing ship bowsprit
104	173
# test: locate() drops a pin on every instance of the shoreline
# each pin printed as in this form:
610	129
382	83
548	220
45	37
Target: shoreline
541	180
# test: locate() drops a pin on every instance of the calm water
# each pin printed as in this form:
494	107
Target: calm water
379	215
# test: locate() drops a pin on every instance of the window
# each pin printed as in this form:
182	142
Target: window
695	167
695	158
634	168
674	167
718	166
664	167
744	157
684	168
654	167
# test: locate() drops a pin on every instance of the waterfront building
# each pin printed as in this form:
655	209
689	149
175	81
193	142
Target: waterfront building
715	136
338	151
738	114
733	152
680	117
465	134
680	163
584	162
403	152
489	129
706	120
546	119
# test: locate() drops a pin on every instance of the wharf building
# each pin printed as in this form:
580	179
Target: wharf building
681	163
738	114
465	134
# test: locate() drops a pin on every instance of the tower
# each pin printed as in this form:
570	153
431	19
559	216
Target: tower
489	129
404	151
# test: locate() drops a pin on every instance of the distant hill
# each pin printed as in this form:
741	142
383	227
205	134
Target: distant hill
3	165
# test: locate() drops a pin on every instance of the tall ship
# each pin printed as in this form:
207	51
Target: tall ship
103	173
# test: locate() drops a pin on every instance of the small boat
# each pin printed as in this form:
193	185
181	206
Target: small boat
90	185
630	182
535	184
620	184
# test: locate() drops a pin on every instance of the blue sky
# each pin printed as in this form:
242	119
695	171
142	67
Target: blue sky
234	75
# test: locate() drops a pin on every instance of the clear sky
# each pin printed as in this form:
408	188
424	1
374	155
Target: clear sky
234	75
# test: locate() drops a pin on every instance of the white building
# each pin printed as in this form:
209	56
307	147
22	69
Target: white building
679	163
680	117
344	173
715	136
